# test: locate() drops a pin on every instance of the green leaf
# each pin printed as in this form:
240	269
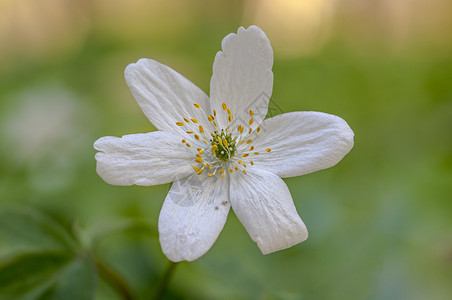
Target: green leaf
30	230
78	281
21	274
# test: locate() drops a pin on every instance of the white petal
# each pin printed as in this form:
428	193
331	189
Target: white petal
193	216
242	76
165	96
302	143
262	202
142	159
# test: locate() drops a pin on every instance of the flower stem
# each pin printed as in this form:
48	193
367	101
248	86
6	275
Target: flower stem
163	284
114	280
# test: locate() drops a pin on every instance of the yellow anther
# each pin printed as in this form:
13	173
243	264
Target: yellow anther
205	142
220	141
209	166
214	147
252	163
240	128
201	129
244	165
249	141
210	118
188	145
221	171
245	155
225	143
200	171
230	170
196	105
186	120
200	151
251	148
251	122
229	118
222	176
197	137
229	111
236	168
214	113
211	174
241	142
213	151
194	120
189	132
258	129
251	112
184	141
179	124
224	106
198	160
240	161
195	168
268	149
251	130
244	172
256	153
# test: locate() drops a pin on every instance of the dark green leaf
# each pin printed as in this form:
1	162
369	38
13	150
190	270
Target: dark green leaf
77	281
21	274
30	230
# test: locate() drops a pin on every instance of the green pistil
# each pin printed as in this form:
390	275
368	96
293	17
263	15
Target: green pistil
223	152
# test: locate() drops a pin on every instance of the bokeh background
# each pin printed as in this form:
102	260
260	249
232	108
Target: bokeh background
380	221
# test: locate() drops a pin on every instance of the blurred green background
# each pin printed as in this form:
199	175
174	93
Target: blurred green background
380	222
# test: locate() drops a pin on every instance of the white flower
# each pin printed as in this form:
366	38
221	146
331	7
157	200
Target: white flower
220	152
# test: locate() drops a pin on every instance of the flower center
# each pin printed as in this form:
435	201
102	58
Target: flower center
225	150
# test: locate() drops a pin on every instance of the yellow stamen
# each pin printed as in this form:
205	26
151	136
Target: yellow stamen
224	106
251	121
179	124
197	137
244	172
186	120
236	168
200	171
225	143
268	149
252	163
229	111
244	165
210	174
245	155
194	120
251	112
209	166
198	160
251	148
201	129
210	118
256	153
189	132
249	141
229	118
195	168
200	151
184	141
214	113
196	105
240	128
230	170
258	129
222	176
188	145
241	142
251	130
220	141
240	161
221	171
